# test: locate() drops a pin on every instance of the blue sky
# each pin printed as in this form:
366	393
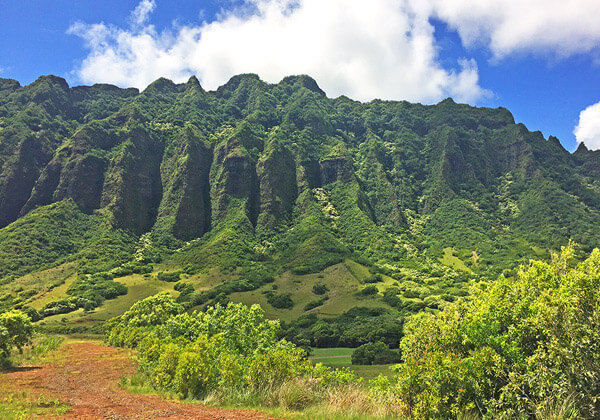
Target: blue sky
529	56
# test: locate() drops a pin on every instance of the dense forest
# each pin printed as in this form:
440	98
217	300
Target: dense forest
399	229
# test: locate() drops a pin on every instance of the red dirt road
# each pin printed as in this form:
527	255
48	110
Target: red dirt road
85	376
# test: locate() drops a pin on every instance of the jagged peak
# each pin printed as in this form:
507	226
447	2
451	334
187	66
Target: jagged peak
447	101
303	80
193	84
50	79
235	81
581	149
193	80
9	84
162	85
509	116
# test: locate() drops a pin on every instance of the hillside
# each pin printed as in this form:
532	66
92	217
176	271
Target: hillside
312	206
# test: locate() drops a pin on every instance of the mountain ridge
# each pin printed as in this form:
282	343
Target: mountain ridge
255	180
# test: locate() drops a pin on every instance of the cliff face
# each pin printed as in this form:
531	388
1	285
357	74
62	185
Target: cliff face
175	161
278	187
132	187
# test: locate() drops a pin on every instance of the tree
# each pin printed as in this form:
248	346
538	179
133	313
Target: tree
16	330
374	354
510	344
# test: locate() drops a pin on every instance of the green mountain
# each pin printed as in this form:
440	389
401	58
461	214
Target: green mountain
272	193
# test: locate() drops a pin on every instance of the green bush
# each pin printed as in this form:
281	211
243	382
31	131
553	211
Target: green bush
374	354
63	306
367	291
132	268
374	278
226	350
16	331
280	301
169	277
315	303
320	289
508	345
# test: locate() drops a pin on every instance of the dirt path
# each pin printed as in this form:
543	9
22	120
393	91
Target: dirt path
85	375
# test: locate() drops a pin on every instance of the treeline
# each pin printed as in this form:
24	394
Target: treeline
355	327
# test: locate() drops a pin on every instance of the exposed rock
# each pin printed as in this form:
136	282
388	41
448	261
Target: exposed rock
278	187
132	187
336	169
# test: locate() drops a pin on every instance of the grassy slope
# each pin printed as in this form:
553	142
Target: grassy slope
451	260
340	281
42	237
138	287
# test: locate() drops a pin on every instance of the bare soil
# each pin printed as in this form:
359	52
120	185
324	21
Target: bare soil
85	375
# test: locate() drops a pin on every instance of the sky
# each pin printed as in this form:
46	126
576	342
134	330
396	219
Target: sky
538	58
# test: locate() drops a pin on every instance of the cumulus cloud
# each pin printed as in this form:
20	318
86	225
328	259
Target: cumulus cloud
556	27
377	49
588	129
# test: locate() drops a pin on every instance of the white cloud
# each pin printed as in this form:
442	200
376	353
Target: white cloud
377	49
556	27
588	129
141	13
380	48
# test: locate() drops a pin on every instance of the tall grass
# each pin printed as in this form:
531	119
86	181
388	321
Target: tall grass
42	346
558	409
304	398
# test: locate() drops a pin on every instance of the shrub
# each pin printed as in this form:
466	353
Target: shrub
95	288
374	354
367	291
320	289
183	287
315	303
509	344
374	278
16	331
169	277
194	354
62	306
280	301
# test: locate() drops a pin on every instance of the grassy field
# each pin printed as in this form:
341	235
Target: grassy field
343	280
340	357
138	287
337	356
48	284
342	286
450	259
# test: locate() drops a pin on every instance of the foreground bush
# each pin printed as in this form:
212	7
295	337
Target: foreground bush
225	350
513	347
16	331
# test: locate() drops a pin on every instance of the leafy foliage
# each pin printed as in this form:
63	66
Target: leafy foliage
511	343
374	354
219	350
280	300
16	331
